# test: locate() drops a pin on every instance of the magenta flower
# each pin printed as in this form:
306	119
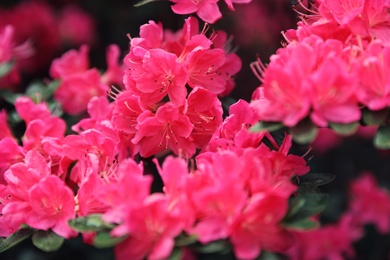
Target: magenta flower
205	113
169	129
207	10
152	228
76	90
370	204
257	227
52	204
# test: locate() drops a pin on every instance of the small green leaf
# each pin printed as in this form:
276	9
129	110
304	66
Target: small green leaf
38	91
212	247
317	179
47	241
90	223
177	254
9	96
302	224
265	255
382	137
294	205
305	132
375	118
15	238
314	203
265	126
5	68
14	118
185	240
345	129
104	240
144	2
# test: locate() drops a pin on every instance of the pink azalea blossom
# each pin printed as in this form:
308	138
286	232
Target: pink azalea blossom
203	67
370	204
72	62
158	73
205	113
76	90
257	227
332	241
52	204
207	10
5	130
374	91
76	26
169	128
152	227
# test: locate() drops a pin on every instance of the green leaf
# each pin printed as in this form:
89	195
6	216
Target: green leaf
105	240
185	240
302	224
144	2
177	254
15	238
317	179
9	96
47	241
212	247
382	137
345	129
265	255
265	126
304	132
90	223
38	91
5	68
375	118
294	205
14	118
314	203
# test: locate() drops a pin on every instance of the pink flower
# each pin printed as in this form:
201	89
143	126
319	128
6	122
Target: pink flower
10	153
169	128
257	227
76	90
374	91
114	73
369	203
205	113
52	204
28	110
230	3
76	26
71	62
126	189
152	228
203	67
5	130
21	178
332	241
207	10
157	73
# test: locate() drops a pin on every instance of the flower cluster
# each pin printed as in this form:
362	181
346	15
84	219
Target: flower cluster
229	193
172	83
334	65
